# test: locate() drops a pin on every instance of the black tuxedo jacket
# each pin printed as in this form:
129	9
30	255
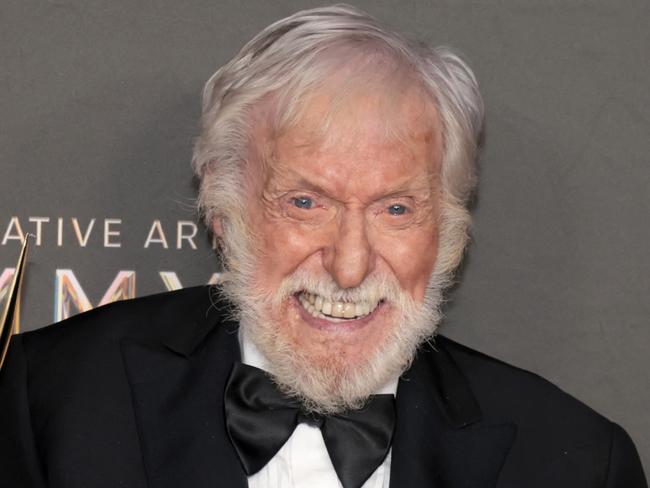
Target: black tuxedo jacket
131	395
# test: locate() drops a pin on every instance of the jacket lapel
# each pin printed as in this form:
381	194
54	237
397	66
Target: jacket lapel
177	389
440	440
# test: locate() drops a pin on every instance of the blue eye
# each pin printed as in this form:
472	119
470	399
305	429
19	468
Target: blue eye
397	209
303	202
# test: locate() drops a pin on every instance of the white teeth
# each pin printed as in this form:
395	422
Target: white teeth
349	310
321	308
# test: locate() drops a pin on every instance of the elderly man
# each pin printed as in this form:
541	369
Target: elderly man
336	160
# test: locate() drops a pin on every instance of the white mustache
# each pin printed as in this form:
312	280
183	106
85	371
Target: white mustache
373	289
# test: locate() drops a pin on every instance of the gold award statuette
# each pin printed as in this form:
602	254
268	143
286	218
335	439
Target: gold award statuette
11	311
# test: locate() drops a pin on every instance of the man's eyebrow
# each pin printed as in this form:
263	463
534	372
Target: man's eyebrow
413	185
410	187
298	180
302	182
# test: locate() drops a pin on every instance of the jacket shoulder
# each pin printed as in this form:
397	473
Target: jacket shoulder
500	386
142	317
84	353
556	433
85	338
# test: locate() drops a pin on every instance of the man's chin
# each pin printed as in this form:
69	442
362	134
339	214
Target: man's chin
329	364
343	344
332	363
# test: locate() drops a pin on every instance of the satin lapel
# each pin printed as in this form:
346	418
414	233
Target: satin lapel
177	392
440	440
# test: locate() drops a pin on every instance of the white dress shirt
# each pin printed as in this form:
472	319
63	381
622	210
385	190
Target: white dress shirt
303	461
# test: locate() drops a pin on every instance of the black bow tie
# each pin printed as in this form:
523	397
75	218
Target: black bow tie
260	419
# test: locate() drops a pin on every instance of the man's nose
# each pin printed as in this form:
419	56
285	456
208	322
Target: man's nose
349	258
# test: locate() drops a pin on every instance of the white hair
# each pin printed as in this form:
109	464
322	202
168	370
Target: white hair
286	61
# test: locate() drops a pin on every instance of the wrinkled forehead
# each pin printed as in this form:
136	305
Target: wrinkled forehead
388	143
382	105
371	98
331	120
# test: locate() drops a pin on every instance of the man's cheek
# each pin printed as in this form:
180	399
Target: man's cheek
412	263
297	243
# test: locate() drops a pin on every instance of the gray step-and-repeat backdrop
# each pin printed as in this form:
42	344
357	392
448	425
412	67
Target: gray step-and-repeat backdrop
98	108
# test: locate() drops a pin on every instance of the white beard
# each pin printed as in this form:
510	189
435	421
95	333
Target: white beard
325	384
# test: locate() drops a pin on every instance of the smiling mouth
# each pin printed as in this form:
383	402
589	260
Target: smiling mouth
322	308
